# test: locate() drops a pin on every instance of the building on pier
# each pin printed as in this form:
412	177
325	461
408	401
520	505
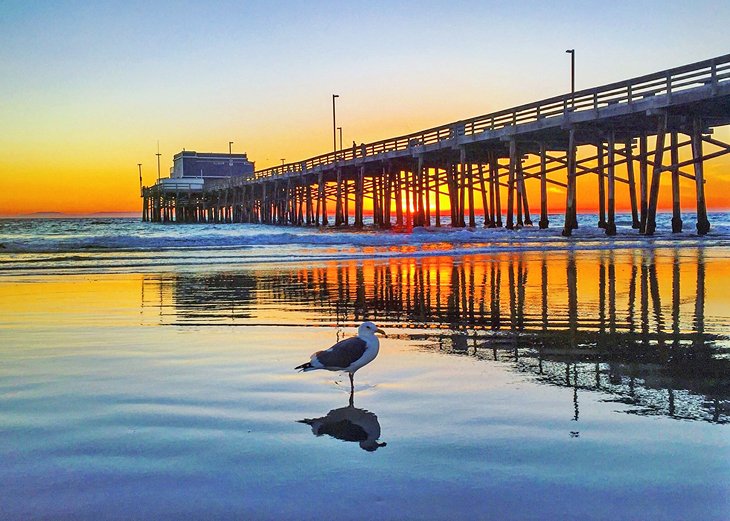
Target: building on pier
210	165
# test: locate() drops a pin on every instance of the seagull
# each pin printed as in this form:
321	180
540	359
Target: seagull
349	354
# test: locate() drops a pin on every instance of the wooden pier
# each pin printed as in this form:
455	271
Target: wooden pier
624	135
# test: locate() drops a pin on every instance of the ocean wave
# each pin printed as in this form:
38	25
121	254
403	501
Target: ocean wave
37	238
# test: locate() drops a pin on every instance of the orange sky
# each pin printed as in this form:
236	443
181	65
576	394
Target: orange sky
110	183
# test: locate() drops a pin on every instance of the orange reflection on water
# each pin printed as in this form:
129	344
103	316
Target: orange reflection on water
594	288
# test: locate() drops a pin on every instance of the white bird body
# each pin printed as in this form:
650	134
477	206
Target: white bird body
348	355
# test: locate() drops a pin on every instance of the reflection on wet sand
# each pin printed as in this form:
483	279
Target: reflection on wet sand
349	424
632	324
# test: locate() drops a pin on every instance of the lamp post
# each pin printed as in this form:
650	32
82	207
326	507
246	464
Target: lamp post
282	161
572	75
158	161
339	129
139	165
334	124
230	158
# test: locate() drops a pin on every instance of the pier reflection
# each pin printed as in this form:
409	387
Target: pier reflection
637	325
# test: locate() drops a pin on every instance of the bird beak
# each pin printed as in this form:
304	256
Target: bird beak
381	332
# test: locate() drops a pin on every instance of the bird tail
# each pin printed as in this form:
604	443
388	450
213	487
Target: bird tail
305	367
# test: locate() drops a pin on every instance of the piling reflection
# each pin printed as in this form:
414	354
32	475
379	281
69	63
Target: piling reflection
349	424
632	324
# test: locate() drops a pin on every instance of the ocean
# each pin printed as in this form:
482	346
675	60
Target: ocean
147	372
115	244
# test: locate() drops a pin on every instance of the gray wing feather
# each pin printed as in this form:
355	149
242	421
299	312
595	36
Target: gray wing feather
343	353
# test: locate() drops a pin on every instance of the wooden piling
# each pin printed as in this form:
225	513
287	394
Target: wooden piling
359	195
398	198
676	209
611	223
600	170
483	189
510	183
703	224
570	192
523	191
643	182
418	186
656	174
632	183
347	202
437	199
496	189
427	195
407	190
461	186
339	220
544	221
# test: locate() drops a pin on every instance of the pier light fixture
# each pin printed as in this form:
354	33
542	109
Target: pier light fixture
139	165
230	158
339	129
282	161
572	74
158	161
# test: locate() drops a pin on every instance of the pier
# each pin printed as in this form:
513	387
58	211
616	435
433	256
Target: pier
620	136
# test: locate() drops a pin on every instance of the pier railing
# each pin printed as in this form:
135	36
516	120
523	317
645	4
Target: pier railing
708	73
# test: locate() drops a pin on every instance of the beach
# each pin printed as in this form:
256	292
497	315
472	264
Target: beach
150	374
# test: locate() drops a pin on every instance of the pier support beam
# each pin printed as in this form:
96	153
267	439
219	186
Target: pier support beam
523	191
427	194
483	189
387	196
359	197
643	181
495	191
611	224
398	198
451	186
601	170
676	208
703	225
570	214
437	195
420	217
632	184
461	186
656	175
511	184
544	221
339	220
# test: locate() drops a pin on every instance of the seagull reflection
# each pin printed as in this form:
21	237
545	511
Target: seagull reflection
349	424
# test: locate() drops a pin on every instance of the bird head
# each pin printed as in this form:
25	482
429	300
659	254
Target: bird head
369	328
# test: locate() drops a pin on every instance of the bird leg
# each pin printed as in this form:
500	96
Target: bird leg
352	384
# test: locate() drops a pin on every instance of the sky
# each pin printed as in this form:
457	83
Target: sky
89	88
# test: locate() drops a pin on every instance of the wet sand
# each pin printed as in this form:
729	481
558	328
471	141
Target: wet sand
569	385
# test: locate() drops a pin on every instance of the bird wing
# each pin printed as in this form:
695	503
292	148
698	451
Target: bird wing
343	353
